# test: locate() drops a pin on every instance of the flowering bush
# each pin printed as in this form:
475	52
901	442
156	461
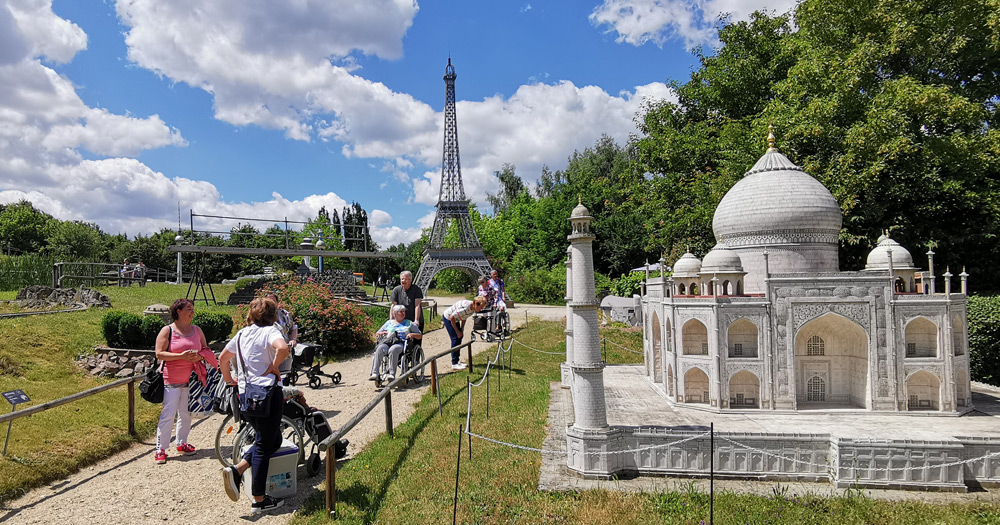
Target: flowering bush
342	327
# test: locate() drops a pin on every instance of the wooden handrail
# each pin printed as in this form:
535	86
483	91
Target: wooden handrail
339	433
386	394
69	399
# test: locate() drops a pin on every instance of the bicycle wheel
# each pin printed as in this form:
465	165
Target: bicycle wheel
226	437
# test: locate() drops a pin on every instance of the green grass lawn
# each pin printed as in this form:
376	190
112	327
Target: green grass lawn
37	355
410	478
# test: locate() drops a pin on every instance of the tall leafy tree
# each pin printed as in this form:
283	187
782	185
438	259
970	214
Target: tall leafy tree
893	105
23	228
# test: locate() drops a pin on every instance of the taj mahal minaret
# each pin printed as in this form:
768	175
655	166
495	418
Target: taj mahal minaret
589	437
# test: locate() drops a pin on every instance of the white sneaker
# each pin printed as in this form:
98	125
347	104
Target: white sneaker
458	366
373	377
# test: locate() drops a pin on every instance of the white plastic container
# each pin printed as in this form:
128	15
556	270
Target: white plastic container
281	470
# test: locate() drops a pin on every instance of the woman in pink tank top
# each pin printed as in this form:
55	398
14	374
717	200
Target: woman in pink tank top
177	346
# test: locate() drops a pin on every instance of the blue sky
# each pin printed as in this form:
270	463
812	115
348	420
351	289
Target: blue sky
113	112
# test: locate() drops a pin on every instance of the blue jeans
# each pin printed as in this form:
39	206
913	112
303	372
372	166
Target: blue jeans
455	340
267	441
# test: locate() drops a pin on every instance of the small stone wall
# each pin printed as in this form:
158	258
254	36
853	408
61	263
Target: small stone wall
37	296
117	362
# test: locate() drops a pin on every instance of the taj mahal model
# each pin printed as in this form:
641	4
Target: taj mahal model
810	372
767	321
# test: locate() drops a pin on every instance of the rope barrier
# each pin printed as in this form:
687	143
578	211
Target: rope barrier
620	346
535	349
597	453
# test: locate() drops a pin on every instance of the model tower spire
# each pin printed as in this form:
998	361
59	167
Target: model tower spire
452	205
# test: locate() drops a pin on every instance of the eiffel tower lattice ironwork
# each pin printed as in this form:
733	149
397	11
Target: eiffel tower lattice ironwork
465	254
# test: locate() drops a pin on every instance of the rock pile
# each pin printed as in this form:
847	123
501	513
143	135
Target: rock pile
43	297
117	363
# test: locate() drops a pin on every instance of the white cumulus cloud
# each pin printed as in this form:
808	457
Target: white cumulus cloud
637	22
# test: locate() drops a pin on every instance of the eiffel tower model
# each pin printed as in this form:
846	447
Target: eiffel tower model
465	254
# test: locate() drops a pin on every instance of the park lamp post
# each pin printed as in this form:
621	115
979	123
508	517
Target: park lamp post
320	245
179	240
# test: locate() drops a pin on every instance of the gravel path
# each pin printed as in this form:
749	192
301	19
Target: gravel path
129	488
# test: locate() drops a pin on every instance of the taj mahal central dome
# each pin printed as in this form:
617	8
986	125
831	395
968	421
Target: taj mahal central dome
779	207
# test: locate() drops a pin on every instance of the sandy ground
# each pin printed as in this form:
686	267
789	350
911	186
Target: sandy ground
129	487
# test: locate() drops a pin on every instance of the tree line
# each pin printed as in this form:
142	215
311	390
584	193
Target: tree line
891	104
26	230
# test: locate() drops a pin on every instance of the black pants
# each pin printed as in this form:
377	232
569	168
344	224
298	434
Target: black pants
267	441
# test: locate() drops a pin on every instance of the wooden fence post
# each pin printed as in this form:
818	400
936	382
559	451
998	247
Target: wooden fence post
388	413
131	408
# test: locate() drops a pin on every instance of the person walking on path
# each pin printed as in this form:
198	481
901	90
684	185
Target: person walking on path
454	322
179	346
259	349
410	296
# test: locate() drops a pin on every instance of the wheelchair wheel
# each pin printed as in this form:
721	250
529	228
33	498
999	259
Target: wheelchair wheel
289	430
313	464
503	324
315	382
336	377
418	356
230	432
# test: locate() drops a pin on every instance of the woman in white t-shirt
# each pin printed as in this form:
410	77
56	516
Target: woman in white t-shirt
259	349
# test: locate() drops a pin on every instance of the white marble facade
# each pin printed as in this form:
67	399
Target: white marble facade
767	321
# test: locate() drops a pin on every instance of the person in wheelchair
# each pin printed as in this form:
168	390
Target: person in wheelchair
390	339
494	302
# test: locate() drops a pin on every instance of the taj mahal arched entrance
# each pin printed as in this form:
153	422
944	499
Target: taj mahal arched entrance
831	364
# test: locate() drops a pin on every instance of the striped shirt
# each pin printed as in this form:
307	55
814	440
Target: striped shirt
462	309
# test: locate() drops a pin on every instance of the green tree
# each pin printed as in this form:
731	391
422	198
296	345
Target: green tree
73	240
23	228
893	105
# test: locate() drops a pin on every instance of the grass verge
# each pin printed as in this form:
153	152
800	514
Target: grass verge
37	355
410	478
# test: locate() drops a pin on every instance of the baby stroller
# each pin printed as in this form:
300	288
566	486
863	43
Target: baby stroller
299	422
413	353
303	357
491	324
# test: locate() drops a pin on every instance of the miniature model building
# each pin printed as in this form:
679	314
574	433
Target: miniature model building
767	321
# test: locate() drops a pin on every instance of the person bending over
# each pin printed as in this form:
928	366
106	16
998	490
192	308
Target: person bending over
454	322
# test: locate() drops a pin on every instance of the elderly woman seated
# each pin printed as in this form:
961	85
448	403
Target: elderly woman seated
390	340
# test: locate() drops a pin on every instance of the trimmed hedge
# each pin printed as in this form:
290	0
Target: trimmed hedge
984	339
127	330
109	328
215	325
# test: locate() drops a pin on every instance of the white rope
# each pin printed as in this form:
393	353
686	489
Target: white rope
535	349
562	452
487	372
622	347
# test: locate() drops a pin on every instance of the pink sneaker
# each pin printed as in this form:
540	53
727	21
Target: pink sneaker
185	449
160	457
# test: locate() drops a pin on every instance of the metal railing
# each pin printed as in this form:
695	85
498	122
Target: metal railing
105	273
385	396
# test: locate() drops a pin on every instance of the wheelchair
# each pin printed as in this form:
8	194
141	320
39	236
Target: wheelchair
413	354
299	422
304	362
491	324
